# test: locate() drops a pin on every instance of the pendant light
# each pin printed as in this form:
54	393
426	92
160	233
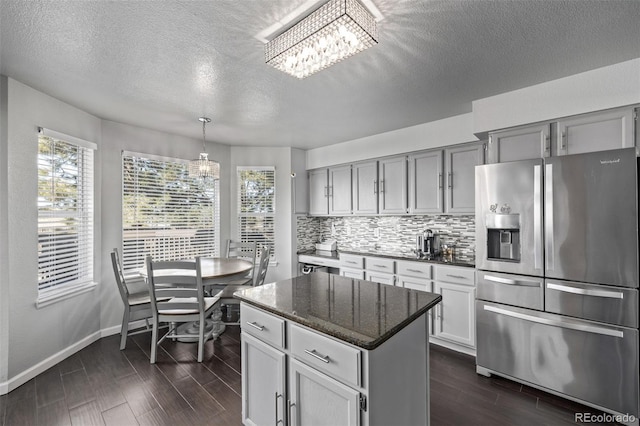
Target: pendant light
202	167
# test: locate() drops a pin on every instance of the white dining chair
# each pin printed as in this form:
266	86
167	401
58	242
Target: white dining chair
182	282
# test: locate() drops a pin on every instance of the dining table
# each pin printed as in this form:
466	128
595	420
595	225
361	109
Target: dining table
216	273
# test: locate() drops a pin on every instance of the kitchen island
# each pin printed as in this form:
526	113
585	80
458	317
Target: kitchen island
326	349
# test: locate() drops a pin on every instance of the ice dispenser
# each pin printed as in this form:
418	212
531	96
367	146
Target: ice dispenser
503	237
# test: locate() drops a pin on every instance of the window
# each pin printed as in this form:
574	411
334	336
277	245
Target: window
257	206
165	213
65	215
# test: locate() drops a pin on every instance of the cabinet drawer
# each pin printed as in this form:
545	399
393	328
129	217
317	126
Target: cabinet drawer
351	261
413	269
332	357
378	264
380	277
262	325
358	274
454	274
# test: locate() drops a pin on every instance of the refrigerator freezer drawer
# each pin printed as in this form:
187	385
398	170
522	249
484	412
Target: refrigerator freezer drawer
582	359
515	290
613	305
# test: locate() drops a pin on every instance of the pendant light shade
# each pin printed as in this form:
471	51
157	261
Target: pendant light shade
202	167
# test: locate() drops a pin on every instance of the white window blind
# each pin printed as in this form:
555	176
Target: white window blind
257	206
165	213
65	213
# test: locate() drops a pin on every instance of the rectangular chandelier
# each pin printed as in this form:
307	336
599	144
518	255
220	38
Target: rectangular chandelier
336	30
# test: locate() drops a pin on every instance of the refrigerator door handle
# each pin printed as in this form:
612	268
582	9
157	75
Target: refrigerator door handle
508	281
556	323
537	218
548	224
586	292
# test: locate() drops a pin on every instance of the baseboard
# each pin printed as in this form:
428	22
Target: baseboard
452	346
30	373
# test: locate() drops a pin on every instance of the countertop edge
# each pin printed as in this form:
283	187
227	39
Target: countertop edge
347	339
311	252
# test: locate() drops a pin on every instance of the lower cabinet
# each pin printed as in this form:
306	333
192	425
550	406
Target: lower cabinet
455	316
317	399
263	383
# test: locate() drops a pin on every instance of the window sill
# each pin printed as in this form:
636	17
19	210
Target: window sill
57	295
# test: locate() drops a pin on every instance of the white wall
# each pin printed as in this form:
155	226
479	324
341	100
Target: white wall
602	88
449	131
117	137
36	334
280	158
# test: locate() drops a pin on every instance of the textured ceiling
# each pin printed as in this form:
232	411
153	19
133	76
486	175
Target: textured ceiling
162	64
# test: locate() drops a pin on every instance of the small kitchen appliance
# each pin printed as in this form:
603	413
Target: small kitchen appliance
431	244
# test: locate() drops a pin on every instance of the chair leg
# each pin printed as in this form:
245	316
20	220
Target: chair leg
203	324
154	342
124	330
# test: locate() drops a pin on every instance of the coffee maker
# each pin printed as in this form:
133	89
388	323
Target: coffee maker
431	244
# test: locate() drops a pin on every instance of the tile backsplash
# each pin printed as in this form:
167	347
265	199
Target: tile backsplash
393	235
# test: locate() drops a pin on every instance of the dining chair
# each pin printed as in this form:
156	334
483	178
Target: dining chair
181	281
259	275
137	305
243	250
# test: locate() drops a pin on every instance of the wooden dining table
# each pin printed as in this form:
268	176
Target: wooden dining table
216	273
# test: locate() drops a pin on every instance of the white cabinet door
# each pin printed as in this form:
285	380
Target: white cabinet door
460	169
425	182
365	188
598	131
455	315
392	186
263	383
317	399
318	192
522	143
340	190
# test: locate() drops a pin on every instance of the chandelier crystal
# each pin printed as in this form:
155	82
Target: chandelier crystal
336	30
202	167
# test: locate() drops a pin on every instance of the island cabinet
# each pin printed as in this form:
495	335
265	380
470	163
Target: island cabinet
326	349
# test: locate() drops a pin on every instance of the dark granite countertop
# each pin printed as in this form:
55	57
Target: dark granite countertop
359	312
336	255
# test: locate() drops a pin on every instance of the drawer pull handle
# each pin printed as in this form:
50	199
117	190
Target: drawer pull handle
381	266
415	270
460	277
352	262
255	325
315	354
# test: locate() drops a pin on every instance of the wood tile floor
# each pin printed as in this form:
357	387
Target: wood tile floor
102	385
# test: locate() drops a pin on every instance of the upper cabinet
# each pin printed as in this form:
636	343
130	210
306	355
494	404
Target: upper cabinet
460	186
339	191
318	192
365	187
426	182
522	143
433	181
595	132
392	185
598	131
330	191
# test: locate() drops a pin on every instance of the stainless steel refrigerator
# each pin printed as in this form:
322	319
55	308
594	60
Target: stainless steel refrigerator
557	276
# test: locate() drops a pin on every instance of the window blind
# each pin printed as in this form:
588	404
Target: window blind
165	213
65	213
257	206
